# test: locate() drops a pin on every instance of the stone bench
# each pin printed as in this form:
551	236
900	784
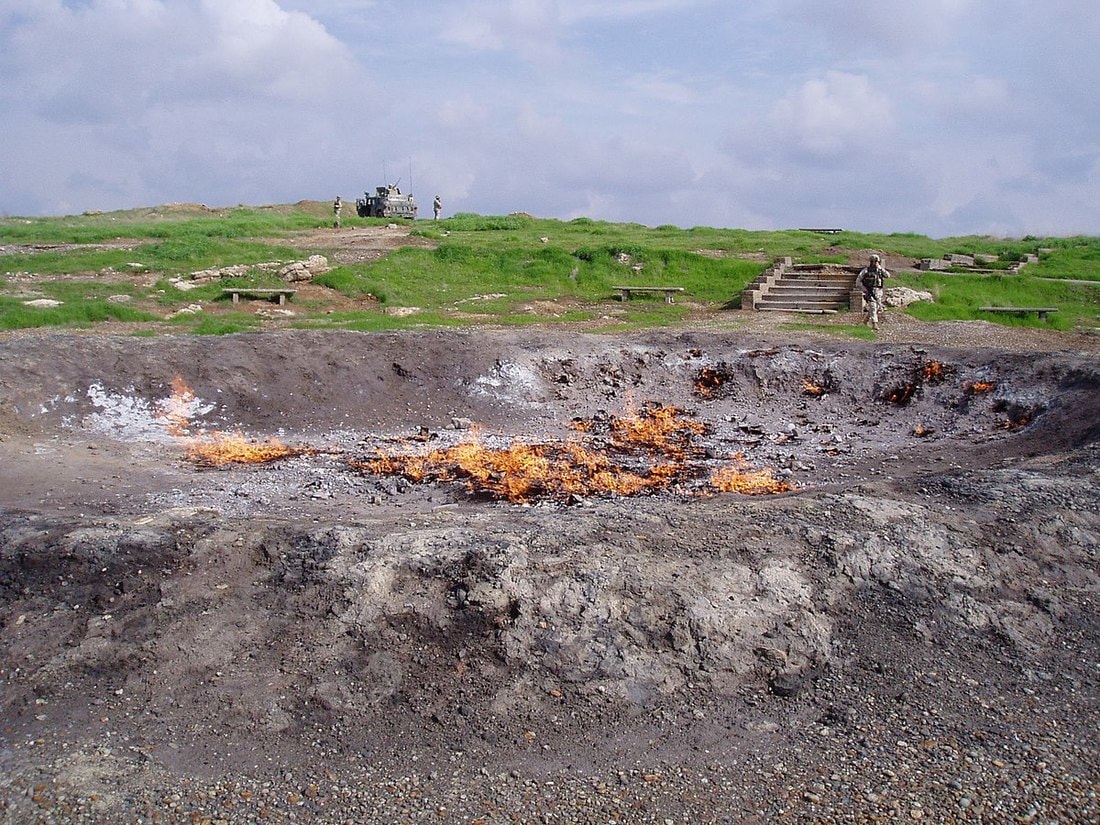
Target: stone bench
1040	311
626	291
282	295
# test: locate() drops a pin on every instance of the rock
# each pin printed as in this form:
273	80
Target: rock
901	296
305	270
190	309
43	303
120	299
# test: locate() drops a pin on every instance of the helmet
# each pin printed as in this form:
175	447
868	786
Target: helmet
875	259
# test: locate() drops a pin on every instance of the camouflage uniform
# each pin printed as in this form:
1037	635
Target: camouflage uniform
871	278
437	206
337	205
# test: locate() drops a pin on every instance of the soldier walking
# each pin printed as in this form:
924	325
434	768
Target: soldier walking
437	206
871	278
337	205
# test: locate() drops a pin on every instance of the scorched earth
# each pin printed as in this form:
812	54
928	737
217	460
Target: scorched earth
499	576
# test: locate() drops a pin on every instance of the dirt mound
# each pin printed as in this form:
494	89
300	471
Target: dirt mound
906	634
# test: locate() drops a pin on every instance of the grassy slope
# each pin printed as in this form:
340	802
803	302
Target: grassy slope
490	268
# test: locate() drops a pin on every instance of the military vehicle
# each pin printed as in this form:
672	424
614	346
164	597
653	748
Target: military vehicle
386	202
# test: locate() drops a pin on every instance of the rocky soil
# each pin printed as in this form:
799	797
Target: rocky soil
909	634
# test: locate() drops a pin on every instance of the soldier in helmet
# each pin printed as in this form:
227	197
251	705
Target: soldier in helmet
337	205
871	278
437	206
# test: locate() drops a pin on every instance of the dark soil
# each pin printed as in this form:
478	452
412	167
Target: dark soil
911	633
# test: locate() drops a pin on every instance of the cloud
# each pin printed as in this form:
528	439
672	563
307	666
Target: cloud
838	114
888	115
529	29
874	29
149	92
575	11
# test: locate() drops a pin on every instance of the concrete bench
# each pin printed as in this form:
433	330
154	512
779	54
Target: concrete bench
1040	311
281	295
626	291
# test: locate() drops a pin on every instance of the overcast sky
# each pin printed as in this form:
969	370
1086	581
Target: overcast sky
943	117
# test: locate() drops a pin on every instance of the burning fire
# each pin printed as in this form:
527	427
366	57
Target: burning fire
902	394
176	409
522	473
740	479
655	446
709	380
219	449
978	387
658	429
933	372
812	389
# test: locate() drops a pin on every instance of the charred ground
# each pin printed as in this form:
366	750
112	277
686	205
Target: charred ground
910	633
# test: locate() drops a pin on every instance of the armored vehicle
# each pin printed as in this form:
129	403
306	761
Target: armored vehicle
386	202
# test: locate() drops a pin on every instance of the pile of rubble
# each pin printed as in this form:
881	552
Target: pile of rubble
291	272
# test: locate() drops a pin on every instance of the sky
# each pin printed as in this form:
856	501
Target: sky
940	117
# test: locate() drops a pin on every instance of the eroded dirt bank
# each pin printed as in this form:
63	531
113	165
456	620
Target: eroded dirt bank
910	633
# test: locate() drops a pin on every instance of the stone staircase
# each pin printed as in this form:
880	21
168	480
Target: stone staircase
810	288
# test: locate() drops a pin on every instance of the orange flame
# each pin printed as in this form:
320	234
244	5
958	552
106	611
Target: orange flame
810	388
901	395
523	473
176	409
708	381
739	479
219	449
933	372
659	429
978	387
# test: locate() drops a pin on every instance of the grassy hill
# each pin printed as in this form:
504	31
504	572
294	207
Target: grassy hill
473	269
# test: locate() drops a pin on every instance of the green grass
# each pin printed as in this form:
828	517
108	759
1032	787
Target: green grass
201	324
176	256
958	297
488	269
14	314
167	223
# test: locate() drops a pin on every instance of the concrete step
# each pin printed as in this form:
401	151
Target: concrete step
807	276
800	304
783	288
804	310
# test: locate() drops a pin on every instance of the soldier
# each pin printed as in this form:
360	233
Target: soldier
337	205
871	279
437	206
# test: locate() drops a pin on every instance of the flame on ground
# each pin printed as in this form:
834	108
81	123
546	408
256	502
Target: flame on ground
176	408
709	380
219	449
902	394
812	389
741	479
658	429
522	473
657	442
933	372
978	387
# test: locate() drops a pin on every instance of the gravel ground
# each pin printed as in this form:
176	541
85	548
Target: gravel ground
915	634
